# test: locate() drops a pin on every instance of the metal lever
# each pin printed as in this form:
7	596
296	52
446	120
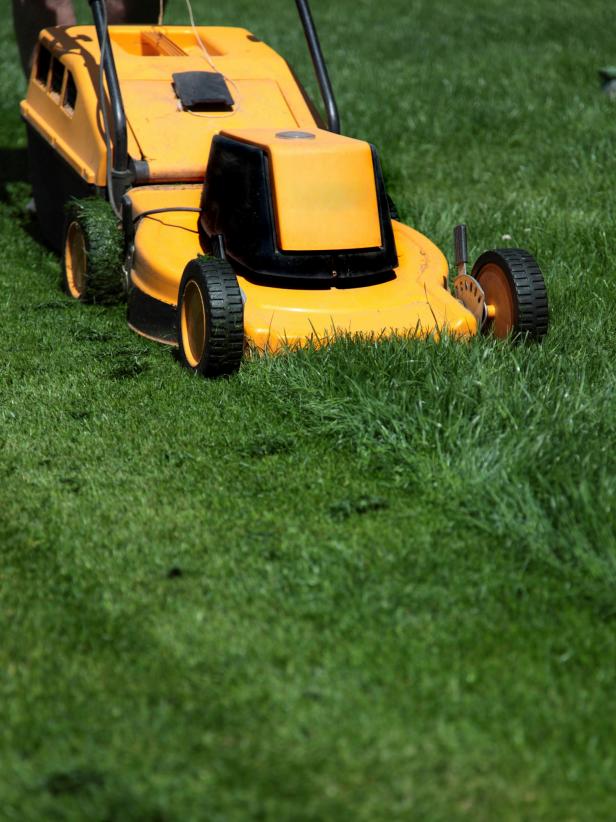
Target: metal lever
460	247
119	167
465	287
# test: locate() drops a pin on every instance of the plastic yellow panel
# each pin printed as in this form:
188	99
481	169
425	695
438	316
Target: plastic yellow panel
175	143
413	303
164	243
324	189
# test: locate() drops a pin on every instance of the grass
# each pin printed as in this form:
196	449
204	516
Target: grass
364	582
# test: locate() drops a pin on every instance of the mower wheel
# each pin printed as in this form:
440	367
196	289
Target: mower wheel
93	252
515	295
211	318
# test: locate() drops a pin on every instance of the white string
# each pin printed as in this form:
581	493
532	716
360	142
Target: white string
198	37
206	54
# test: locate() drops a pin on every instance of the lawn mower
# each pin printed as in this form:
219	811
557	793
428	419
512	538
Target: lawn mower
186	169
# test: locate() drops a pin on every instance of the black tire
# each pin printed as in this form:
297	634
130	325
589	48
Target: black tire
210	318
93	252
513	283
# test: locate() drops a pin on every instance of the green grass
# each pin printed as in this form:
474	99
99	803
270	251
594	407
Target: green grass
368	582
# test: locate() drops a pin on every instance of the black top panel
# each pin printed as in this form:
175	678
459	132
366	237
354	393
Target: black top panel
202	91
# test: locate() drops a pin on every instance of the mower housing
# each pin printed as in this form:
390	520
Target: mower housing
298	205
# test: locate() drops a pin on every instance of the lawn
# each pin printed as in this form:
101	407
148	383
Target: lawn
367	582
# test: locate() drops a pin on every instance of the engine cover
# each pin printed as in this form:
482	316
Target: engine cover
305	205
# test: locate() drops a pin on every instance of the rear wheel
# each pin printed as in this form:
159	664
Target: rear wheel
75	261
92	252
211	318
515	295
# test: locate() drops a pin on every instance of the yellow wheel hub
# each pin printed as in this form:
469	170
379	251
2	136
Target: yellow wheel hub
193	323
75	261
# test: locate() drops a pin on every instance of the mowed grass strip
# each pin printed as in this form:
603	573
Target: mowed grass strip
366	581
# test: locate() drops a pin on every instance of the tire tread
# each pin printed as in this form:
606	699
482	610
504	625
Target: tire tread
224	308
104	249
528	288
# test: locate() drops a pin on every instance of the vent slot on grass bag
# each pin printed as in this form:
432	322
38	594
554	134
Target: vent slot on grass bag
43	61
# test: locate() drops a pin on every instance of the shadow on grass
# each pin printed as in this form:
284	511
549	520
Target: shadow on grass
14	178
13	169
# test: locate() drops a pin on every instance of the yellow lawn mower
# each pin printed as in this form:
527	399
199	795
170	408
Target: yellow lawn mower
186	170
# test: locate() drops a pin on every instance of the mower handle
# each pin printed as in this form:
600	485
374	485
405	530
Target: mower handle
118	116
320	68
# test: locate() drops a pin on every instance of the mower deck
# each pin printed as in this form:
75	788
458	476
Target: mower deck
413	302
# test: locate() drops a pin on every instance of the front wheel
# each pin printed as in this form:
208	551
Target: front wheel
516	299
211	318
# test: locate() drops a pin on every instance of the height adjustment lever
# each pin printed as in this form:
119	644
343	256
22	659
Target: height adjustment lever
460	247
465	287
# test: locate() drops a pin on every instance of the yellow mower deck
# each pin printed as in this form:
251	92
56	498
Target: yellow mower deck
413	302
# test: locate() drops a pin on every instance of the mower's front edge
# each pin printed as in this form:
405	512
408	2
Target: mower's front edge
415	301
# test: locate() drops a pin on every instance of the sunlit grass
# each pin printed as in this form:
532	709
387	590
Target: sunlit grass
362	581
